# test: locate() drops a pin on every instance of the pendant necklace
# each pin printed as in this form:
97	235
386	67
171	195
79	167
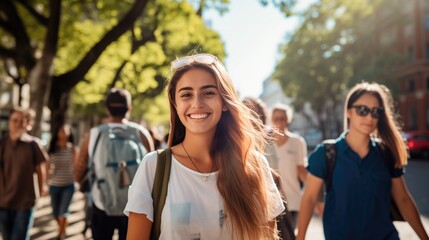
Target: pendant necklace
205	177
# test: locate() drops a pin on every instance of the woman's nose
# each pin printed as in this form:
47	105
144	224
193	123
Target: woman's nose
198	102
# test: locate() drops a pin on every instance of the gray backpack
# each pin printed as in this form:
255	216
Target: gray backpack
119	151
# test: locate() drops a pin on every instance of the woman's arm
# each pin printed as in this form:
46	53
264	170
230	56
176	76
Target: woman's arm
308	201
407	207
302	173
139	227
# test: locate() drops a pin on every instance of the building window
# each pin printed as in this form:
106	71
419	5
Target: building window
410	53
412	119
411	85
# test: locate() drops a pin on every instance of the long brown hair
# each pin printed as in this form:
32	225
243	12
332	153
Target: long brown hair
388	129
235	150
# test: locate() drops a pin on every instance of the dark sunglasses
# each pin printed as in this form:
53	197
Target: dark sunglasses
363	110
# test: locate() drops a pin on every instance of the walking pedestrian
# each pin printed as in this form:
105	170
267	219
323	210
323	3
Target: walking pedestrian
364	178
220	183
62	155
21	155
113	152
291	151
285	222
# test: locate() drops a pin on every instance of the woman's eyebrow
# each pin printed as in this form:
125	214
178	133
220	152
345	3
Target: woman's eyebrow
190	88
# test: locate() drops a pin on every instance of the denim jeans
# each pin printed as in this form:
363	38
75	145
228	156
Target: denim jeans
60	199
15	224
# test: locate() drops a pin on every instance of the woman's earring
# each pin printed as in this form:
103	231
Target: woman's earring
224	108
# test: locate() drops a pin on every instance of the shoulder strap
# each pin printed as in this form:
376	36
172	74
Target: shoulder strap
159	190
330	157
91	161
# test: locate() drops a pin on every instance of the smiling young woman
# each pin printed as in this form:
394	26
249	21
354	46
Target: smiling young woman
218	172
364	180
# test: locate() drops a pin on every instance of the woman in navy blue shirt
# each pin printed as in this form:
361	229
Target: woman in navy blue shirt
363	183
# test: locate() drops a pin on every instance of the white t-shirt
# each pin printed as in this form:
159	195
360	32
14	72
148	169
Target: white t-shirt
194	207
290	155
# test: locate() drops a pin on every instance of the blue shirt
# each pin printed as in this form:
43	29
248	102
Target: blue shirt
357	205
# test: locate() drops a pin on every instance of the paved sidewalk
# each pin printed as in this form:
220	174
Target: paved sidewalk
45	227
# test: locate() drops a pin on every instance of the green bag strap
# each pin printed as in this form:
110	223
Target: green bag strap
159	191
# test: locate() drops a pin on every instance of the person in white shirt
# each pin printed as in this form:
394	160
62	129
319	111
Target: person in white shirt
220	183
118	107
291	151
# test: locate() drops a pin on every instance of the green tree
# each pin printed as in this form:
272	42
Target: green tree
334	48
57	46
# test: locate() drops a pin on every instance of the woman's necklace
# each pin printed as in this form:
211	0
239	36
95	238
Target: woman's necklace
205	176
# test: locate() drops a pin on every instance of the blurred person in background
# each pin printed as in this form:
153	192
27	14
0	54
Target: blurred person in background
118	106
62	155
291	151
21	155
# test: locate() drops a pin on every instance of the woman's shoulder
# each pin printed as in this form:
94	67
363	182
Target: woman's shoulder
151	156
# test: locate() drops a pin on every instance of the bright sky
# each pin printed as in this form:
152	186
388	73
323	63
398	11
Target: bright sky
252	35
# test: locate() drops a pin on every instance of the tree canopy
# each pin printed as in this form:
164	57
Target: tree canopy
82	48
334	48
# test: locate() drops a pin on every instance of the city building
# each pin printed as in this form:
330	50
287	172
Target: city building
404	25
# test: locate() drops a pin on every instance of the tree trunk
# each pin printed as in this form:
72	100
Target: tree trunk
41	75
63	84
59	110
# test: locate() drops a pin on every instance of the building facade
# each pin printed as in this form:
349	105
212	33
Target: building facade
404	25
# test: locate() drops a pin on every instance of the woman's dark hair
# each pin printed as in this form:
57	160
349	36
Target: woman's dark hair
388	128
256	105
53	147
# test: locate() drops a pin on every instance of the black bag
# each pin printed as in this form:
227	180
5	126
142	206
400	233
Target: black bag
85	185
284	225
330	156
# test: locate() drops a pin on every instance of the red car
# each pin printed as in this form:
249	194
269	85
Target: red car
418	143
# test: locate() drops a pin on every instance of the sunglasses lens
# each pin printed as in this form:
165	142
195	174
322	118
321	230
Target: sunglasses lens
362	110
199	58
181	62
204	59
375	112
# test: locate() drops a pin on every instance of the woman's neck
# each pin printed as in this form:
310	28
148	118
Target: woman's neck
358	142
62	143
198	145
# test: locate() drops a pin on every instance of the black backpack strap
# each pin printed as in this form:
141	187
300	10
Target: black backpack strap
330	157
387	156
159	190
389	160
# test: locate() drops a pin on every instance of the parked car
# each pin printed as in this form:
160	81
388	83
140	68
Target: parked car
418	143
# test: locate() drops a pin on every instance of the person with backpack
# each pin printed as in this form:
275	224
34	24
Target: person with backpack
109	157
220	185
367	173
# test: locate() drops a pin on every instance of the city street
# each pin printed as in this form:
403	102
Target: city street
417	178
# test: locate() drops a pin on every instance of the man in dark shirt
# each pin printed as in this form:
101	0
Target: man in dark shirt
21	155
